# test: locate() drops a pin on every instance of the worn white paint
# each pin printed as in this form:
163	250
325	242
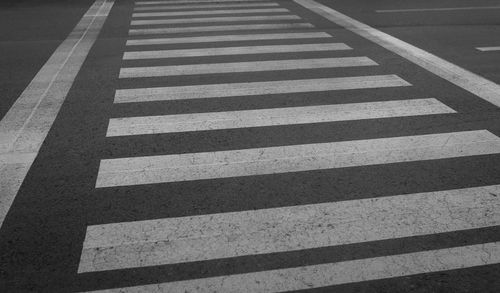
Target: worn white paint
293	158
190	1
486	49
215	19
208	12
200	6
438	9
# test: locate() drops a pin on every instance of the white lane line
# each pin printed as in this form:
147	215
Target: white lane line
25	126
438	9
486	49
204	52
219	28
227	38
273	117
191	1
254	66
227	5
329	274
294	158
207	12
256	88
205	237
463	78
215	19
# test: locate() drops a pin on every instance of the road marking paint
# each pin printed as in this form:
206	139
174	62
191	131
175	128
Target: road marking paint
485	49
438	9
253	66
329	274
204	52
207	12
293	158
256	88
227	38
25	126
463	78
206	237
273	117
194	6
215	19
217	28
190	1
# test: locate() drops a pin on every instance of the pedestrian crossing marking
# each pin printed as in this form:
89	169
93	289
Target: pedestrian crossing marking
215	19
194	6
218	28
208	12
191	1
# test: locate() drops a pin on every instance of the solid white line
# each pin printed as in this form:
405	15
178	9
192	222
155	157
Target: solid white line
227	38
218	28
25	126
227	5
463	78
438	9
215	19
485	49
254	66
205	237
256	88
207	12
294	158
273	117
329	274
188	2
203	52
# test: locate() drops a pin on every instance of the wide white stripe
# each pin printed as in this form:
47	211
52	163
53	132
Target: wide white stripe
270	117
215	236
190	1
329	274
24	127
194	6
294	158
227	38
459	76
256	88
215	19
207	12
245	66
438	9
484	49
218	28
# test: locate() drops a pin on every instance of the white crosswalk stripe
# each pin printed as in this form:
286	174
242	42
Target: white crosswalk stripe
215	19
191	1
208	12
195	6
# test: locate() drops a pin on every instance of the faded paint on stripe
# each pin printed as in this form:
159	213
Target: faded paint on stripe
215	19
217	28
195	6
207	12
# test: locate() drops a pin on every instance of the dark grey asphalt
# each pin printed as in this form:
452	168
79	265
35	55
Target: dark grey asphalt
42	236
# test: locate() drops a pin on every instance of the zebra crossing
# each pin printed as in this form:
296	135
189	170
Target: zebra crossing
205	237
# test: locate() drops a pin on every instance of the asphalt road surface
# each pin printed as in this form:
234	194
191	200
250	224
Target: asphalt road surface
250	146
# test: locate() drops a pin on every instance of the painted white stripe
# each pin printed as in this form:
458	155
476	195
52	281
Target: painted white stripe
215	19
256	88
329	274
218	28
207	12
24	128
273	117
463	78
206	237
438	9
227	38
294	158
484	49
203	52
190	1
254	66
195	6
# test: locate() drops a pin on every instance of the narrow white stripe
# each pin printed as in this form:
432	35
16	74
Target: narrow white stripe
190	1
215	236
227	38
24	127
329	274
438	9
207	12
257	88
484	49
245	66
463	78
294	158
215	19
270	117
218	28
234	51
227	5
